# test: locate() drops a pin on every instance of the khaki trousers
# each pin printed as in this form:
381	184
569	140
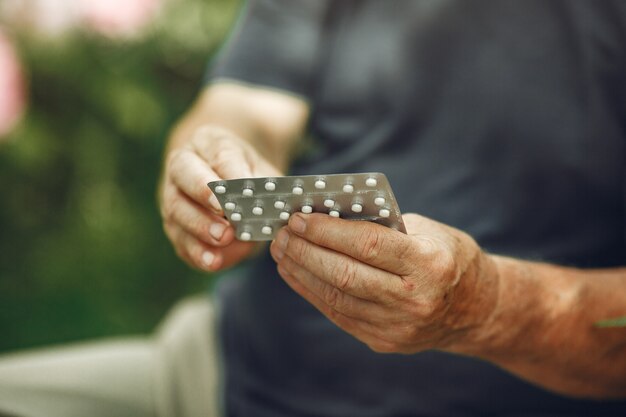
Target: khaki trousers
173	373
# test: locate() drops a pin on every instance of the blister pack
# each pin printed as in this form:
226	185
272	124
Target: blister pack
258	207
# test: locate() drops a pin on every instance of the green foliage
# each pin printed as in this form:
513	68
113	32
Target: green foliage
82	252
618	322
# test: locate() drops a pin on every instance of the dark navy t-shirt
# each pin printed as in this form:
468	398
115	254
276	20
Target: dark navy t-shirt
504	118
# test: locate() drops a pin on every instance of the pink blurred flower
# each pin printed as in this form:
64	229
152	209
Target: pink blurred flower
12	87
112	18
49	17
115	18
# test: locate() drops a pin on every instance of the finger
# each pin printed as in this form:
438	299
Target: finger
344	303
200	223
190	174
363	331
224	153
339	270
367	242
195	252
262	168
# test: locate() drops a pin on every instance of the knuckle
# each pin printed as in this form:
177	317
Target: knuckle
205	131
199	228
333	315
319	228
344	274
224	158
179	246
444	264
208	136
181	253
428	247
439	258
174	159
369	244
168	228
429	310
164	210
167	211
208	139
219	166
192	249
298	250
171	208
169	231
222	155
332	296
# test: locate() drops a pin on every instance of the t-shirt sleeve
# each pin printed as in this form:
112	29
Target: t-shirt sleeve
275	44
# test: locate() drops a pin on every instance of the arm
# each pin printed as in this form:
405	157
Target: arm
231	131
435	289
269	120
542	328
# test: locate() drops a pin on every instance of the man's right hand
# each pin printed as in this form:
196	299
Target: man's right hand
192	217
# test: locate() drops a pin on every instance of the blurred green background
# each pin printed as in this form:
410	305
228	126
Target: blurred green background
82	251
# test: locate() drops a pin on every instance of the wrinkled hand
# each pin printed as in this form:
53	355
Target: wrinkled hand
192	217
430	289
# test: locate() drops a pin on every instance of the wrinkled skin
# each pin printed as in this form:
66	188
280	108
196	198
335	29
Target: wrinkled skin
394	292
192	217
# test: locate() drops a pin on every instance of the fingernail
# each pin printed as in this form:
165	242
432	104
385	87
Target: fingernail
217	230
213	201
297	223
208	258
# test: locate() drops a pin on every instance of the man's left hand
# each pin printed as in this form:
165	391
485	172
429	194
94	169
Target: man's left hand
433	288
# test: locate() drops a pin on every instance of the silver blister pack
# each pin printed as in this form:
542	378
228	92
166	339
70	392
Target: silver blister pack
258	207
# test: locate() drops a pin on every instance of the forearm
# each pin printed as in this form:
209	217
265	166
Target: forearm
270	122
543	327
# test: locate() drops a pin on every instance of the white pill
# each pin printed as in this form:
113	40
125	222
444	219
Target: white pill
379	201
245	236
284	215
334	213
235	217
257	211
279	205
230	206
348	188
266	230
384	213
329	203
297	190
320	184
307	209
270	186
248	192
357	208
220	189
371	182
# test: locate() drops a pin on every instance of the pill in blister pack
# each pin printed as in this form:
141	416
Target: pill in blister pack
258	207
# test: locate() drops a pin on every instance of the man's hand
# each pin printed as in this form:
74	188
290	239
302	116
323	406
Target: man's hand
435	289
193	219
257	129
432	288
